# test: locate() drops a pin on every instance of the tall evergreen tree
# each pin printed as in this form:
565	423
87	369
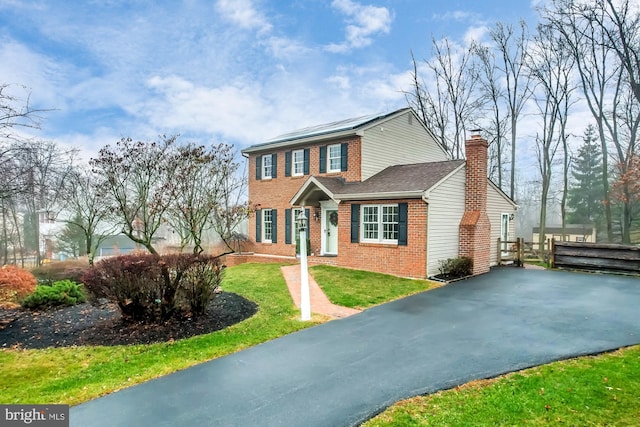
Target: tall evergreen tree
587	193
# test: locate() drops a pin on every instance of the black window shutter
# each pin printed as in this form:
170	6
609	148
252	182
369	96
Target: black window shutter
274	225
287	226
287	163
306	213
258	224
306	161
355	223
258	167
274	165
323	159
402	224
344	156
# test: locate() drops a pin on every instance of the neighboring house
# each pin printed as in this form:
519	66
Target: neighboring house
572	233
118	244
49	228
380	193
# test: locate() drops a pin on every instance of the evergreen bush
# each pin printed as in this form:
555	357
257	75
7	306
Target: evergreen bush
60	293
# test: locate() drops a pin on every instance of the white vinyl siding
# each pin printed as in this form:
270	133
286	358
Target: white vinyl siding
297	158
397	141
334	153
445	210
497	205
379	224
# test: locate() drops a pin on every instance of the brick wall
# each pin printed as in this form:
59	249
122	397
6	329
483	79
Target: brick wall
475	227
276	193
407	261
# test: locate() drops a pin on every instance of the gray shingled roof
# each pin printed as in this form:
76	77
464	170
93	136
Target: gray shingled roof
404	178
399	179
325	129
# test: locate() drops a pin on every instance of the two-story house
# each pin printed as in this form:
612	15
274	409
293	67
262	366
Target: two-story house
380	193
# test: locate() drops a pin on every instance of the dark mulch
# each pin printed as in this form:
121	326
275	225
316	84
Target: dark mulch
86	324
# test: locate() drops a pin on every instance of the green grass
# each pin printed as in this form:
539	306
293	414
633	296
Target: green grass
74	375
362	289
587	391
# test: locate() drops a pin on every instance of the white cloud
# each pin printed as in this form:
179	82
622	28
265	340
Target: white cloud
456	15
363	23
475	34
244	14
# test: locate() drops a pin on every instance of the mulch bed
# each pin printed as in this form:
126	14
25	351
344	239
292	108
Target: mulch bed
86	324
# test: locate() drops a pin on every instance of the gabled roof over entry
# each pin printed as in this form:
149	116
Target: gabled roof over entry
394	182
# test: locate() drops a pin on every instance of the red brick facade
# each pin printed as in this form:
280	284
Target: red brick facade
276	193
475	227
408	261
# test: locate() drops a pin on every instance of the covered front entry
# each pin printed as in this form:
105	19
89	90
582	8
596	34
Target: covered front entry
329	238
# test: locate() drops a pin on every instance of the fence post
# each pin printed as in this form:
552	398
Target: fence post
520	248
552	254
499	254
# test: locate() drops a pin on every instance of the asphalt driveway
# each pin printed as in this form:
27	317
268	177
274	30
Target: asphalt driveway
345	371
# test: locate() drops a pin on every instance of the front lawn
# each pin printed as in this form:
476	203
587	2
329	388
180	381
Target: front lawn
599	390
362	289
73	375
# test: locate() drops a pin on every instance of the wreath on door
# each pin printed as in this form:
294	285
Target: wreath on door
333	218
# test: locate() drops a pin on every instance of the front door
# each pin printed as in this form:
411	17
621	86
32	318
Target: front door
330	228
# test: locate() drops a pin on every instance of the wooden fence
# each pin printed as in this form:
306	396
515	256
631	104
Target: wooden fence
604	257
518	251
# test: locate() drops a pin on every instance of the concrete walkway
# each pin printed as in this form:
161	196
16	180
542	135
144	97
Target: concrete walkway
319	301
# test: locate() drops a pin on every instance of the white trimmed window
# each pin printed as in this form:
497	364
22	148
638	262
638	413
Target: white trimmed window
267	225
295	228
267	167
379	224
298	162
334	153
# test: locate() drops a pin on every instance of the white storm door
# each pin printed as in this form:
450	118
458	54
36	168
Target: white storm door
330	231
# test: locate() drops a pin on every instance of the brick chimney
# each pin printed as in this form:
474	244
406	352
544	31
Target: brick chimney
475	228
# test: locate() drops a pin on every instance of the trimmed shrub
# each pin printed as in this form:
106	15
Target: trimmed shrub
455	268
155	288
15	283
61	270
61	293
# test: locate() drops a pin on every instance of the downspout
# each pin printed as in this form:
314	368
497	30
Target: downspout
425	199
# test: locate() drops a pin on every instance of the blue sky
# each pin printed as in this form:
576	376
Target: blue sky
239	71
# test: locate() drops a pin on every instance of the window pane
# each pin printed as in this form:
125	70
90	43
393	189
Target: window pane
390	222
298	162
267	224
295	229
334	157
266	166
370	222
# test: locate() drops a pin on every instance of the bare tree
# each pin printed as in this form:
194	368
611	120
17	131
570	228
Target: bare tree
90	210
138	179
513	50
604	39
207	195
192	188
550	65
449	103
44	170
493	94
